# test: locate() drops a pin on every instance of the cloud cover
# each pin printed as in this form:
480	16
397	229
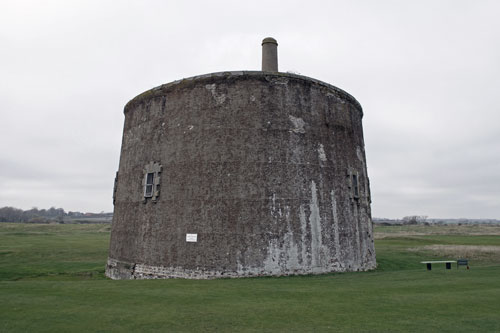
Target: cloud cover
426	73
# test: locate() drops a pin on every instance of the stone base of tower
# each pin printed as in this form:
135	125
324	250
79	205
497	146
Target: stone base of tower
120	270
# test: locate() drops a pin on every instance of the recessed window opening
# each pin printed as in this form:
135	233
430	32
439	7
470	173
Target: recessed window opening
148	188
355	185
151	182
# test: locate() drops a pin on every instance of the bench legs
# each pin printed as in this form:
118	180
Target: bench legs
429	266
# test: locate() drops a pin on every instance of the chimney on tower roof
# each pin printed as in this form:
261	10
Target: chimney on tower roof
269	55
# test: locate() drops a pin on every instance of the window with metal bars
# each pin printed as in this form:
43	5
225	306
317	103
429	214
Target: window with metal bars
149	185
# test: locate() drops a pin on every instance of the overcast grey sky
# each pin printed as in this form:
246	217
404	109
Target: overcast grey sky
427	74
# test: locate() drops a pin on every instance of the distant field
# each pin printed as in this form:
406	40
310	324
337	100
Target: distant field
52	279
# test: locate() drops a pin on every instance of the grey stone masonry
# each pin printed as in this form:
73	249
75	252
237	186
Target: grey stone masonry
261	173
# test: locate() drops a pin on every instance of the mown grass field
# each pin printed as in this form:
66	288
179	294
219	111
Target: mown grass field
52	280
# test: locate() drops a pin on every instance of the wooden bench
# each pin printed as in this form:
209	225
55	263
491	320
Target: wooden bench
447	262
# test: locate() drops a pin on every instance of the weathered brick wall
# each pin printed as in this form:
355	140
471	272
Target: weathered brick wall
260	166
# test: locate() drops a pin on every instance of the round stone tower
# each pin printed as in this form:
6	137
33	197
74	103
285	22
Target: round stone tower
246	173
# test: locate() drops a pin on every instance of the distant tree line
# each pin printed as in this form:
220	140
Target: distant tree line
425	220
415	219
407	220
35	215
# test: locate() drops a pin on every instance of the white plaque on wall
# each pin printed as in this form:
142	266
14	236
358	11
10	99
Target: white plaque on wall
191	237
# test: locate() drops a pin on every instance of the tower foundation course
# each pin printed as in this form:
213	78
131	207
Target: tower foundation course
234	174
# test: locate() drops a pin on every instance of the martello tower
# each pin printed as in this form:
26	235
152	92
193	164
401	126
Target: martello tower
243	173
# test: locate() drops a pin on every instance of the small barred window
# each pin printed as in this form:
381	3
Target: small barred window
148	188
355	186
151	181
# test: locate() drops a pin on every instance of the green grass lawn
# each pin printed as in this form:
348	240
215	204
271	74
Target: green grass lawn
52	279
